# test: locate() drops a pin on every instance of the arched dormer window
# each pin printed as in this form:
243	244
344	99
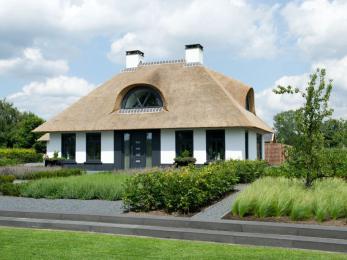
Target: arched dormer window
142	99
249	102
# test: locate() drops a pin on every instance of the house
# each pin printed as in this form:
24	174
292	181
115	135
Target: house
153	111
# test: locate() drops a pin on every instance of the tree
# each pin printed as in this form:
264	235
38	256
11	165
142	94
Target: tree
16	127
9	117
335	133
285	127
23	135
306	154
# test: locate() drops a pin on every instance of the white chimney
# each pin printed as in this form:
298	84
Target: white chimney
133	58
194	53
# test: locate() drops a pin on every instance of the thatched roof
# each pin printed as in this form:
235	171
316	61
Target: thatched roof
44	138
194	97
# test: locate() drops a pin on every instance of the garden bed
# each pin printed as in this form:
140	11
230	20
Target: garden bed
290	199
336	222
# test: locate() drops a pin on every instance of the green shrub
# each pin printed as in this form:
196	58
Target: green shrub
19	155
65	172
10	189
248	171
6	162
274	197
184	190
103	186
7	179
335	163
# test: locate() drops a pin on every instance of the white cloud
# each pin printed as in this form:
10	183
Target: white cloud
32	63
268	103
237	27
51	96
318	26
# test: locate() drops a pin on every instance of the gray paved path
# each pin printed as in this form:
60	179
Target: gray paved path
221	208
61	205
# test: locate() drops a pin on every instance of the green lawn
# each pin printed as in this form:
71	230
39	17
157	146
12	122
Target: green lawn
44	244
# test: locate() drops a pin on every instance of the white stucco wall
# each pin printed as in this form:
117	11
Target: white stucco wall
54	144
81	154
167	146
234	144
199	145
107	147
252	148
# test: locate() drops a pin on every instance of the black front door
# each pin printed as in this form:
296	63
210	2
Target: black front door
138	150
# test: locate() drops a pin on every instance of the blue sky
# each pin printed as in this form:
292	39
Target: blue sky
54	52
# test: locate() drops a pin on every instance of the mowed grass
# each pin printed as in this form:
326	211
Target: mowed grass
103	186
274	197
45	244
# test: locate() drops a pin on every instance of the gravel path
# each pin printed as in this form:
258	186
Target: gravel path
61	205
221	208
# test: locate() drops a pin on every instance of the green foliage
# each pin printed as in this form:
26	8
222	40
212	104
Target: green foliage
307	151
16	127
335	133
7	178
275	197
104	186
184	190
335	163
7	162
52	174
184	159
285	127
19	155
248	171
9	189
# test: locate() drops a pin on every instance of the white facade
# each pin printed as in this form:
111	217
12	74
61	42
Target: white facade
107	147
199	145
167	146
234	144
81	153
54	144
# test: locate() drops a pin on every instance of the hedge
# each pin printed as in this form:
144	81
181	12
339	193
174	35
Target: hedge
10	156
185	190
248	171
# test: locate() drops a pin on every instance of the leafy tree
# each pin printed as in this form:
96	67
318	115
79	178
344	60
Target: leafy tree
16	127
23	135
335	133
285	127
307	153
9	117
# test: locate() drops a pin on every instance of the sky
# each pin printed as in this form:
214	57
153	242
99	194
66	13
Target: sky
54	52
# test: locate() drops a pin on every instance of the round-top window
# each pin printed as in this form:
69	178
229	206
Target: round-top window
142	97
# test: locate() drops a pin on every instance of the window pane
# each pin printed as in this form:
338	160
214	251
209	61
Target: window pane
142	97
215	142
184	142
259	147
126	150
68	148
149	150
93	146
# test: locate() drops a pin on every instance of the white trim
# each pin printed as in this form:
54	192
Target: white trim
107	147
199	143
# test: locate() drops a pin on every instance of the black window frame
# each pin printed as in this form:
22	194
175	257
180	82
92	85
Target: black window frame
246	145
178	139
64	143
97	136
139	88
259	146
211	136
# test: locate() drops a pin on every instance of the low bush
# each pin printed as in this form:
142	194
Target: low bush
274	197
7	178
19	171
184	190
6	162
104	186
248	171
10	189
65	172
19	155
335	163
